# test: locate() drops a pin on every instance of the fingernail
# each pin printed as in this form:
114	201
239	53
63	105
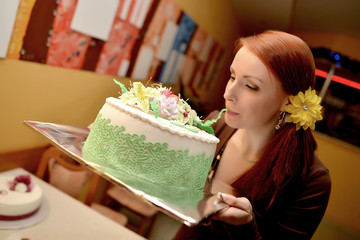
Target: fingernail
220	196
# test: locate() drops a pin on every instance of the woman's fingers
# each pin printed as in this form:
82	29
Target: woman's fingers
239	211
242	202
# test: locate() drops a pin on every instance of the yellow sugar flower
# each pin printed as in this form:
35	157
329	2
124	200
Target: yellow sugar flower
305	109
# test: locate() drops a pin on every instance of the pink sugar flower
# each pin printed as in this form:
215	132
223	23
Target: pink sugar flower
168	106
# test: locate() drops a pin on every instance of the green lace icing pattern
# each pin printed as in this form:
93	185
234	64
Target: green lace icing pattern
176	196
111	146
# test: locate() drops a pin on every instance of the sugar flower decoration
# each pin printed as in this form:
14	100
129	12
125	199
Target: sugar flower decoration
159	100
140	96
162	102
168	106
305	109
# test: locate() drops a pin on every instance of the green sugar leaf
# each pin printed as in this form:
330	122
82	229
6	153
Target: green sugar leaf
204	127
210	122
207	125
154	107
122	86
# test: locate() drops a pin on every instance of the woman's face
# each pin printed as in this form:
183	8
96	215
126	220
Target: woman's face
253	96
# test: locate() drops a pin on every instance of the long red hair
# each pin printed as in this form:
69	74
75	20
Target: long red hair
289	154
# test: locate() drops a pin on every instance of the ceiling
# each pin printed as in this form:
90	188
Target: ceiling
329	16
334	16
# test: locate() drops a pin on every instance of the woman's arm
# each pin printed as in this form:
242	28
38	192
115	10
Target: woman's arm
301	217
296	218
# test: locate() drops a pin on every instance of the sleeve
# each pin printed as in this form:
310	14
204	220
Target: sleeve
301	217
219	230
247	231
297	219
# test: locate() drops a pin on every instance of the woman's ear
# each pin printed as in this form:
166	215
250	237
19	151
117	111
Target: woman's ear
285	102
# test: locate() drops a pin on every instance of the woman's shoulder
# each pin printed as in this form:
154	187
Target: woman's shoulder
318	179
319	169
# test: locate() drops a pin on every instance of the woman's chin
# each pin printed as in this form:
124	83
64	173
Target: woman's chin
231	121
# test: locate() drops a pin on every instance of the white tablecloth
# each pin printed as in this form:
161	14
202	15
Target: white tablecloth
67	219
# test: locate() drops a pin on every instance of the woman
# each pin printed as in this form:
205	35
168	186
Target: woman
266	147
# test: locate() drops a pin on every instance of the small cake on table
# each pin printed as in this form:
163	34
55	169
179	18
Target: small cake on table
20	197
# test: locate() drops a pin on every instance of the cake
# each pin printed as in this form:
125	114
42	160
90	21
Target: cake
20	197
153	134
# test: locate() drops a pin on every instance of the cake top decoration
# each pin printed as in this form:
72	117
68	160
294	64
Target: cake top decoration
21	183
158	100
207	125
162	102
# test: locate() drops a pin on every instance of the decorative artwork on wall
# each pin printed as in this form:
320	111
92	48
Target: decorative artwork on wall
157	41
66	48
8	13
140	39
116	54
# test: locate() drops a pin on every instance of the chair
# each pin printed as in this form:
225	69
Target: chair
69	176
110	213
145	211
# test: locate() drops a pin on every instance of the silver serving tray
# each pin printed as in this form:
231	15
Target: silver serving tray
188	206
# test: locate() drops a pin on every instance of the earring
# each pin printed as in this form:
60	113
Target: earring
281	119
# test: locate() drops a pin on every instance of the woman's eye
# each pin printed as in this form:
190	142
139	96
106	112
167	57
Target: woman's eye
251	87
232	78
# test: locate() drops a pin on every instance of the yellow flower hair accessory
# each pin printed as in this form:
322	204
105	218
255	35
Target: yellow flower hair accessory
305	109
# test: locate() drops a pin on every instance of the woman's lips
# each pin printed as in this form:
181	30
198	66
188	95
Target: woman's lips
231	113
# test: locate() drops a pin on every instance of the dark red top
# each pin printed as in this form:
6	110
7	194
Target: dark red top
295	214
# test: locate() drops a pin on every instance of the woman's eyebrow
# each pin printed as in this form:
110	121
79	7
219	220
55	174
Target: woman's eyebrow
254	77
247	76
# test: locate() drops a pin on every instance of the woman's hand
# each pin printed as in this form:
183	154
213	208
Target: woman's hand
239	211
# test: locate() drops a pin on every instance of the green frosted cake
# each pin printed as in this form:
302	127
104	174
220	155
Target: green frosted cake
153	134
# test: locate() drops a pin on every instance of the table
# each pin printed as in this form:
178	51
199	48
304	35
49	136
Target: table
68	219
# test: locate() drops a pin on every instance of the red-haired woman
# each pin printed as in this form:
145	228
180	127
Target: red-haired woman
266	147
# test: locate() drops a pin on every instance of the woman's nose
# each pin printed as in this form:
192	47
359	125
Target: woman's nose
229	92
